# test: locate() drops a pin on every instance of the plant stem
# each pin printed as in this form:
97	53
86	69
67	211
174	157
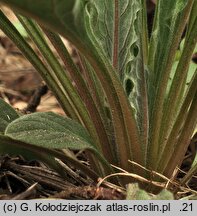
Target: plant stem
160	81
167	154
176	93
116	33
84	93
183	140
74	97
125	128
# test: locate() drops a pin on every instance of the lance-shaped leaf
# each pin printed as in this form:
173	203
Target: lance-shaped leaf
169	23
7	115
114	26
117	26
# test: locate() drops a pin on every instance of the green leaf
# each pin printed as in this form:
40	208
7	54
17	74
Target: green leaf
11	147
190	74
49	130
52	131
168	17
169	23
113	25
7	115
117	28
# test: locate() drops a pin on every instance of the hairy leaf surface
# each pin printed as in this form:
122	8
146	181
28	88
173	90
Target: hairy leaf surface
169	14
49	130
117	27
169	23
113	26
162	49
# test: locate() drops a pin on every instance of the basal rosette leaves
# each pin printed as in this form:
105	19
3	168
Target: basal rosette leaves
71	20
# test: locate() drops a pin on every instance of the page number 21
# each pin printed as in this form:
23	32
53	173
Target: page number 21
187	207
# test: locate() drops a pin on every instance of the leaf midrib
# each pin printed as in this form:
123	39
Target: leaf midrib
116	33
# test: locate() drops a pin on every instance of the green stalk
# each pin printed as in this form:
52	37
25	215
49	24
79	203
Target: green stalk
57	71
94	86
177	86
167	154
143	121
99	97
36	34
184	139
41	43
151	50
161	85
84	93
7	27
125	128
192	19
